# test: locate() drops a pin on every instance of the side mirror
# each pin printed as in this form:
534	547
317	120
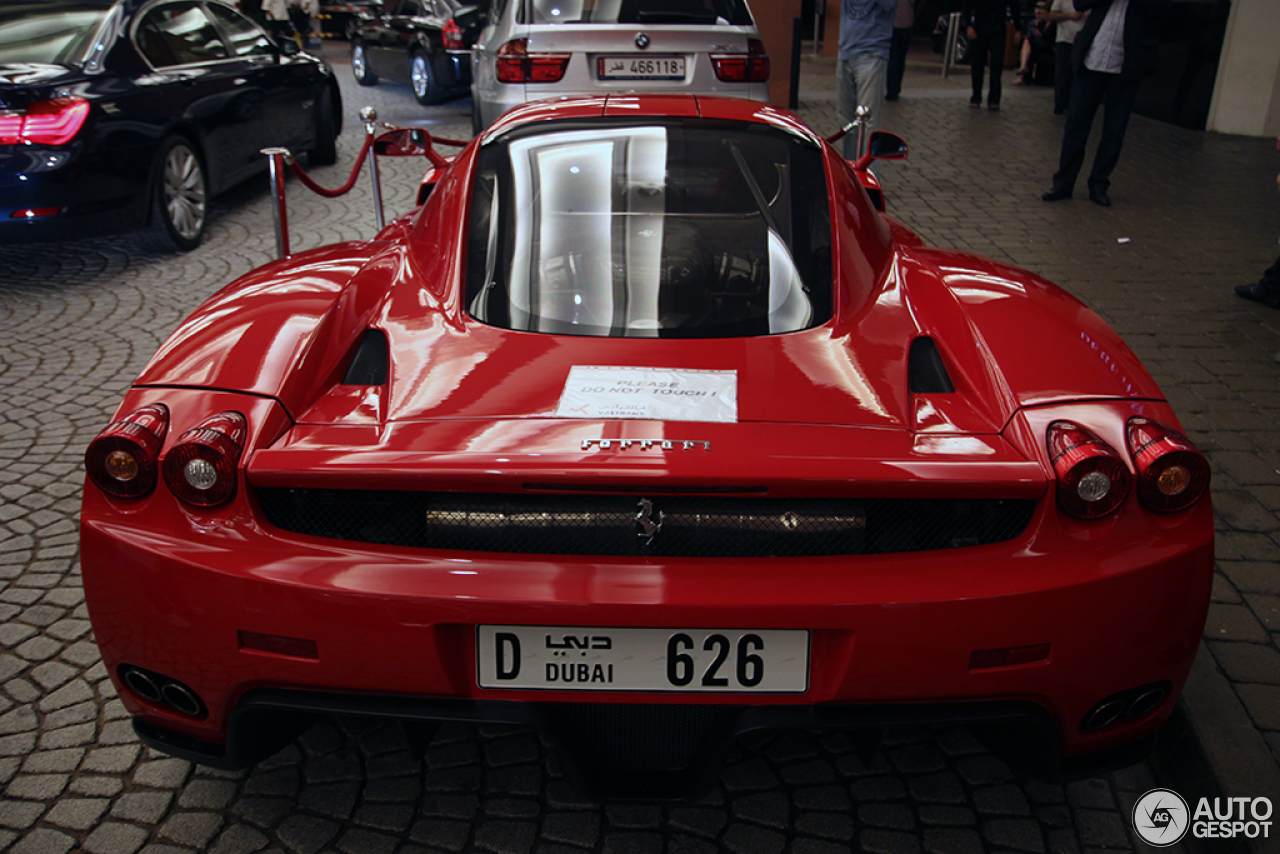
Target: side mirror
288	47
882	146
403	142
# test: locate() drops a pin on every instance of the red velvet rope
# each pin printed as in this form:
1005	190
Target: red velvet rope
345	188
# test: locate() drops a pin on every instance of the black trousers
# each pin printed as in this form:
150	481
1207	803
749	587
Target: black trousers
1271	278
1062	76
1088	92
987	49
899	42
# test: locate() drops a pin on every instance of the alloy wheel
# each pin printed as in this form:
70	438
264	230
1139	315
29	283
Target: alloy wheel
184	192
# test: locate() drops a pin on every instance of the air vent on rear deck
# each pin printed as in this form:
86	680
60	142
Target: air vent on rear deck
369	366
926	372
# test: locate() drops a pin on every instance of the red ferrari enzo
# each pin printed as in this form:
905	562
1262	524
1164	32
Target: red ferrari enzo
650	429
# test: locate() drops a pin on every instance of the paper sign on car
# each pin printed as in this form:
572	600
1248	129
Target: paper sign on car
660	394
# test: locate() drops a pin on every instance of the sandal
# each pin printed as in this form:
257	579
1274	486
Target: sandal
976	104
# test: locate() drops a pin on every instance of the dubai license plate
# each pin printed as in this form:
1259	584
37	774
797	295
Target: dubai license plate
640	68
561	658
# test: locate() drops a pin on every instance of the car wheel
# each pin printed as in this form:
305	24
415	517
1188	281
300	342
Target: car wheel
360	66
180	202
426	86
325	151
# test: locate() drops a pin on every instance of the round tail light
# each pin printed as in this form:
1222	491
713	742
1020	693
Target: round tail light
1093	480
201	468
122	460
1172	473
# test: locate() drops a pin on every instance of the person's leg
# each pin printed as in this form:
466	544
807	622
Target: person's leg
1086	95
872	71
977	67
996	43
1120	95
1061	77
898	46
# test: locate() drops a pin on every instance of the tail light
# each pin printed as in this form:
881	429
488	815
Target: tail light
451	34
1092	478
45	123
517	65
122	460
1172	473
201	468
749	67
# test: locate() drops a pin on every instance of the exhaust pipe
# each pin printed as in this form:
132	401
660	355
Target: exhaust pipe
1147	702
182	699
143	684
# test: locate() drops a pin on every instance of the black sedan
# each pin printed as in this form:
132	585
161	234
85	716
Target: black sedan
118	114
425	43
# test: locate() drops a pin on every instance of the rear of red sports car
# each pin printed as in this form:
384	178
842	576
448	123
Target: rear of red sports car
647	428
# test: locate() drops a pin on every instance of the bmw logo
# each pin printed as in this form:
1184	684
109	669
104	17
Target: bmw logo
642	40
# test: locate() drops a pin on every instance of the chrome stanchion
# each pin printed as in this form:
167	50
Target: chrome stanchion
861	121
277	156
369	116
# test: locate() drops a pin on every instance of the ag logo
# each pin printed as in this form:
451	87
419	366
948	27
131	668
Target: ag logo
1161	817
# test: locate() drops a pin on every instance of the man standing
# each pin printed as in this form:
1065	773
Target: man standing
904	24
866	29
1117	48
1069	21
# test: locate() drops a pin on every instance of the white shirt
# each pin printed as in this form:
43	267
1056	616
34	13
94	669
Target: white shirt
1106	54
1068	29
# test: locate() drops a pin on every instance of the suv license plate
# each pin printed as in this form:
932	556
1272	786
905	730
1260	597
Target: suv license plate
640	67
565	658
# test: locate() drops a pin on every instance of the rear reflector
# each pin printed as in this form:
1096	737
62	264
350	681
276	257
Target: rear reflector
35	213
983	659
279	645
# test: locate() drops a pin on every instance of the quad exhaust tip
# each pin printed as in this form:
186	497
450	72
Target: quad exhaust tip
163	691
1127	705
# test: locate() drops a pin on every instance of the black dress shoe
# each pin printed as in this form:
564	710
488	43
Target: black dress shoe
1258	292
1055	195
1100	198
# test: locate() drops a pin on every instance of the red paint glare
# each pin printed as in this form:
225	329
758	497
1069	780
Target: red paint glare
54	122
984	659
279	645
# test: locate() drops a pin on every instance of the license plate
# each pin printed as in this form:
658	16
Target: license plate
561	658
640	68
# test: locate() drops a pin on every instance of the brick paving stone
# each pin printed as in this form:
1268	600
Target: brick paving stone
1262	703
115	838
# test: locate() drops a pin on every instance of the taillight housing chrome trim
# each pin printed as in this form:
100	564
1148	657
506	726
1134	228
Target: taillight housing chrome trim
516	65
122	460
749	67
1172	473
1093	479
200	469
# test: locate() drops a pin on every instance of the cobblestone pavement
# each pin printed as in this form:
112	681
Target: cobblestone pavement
78	321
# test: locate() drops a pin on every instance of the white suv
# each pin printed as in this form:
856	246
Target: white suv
534	49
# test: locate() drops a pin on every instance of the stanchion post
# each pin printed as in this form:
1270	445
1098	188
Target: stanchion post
281	216
862	112
369	116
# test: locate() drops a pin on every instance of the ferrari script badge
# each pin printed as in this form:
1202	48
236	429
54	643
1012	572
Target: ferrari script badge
646	444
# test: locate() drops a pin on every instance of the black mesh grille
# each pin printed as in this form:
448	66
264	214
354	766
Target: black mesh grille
658	526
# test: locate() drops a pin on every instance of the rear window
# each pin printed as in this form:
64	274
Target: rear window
48	32
669	229
637	12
